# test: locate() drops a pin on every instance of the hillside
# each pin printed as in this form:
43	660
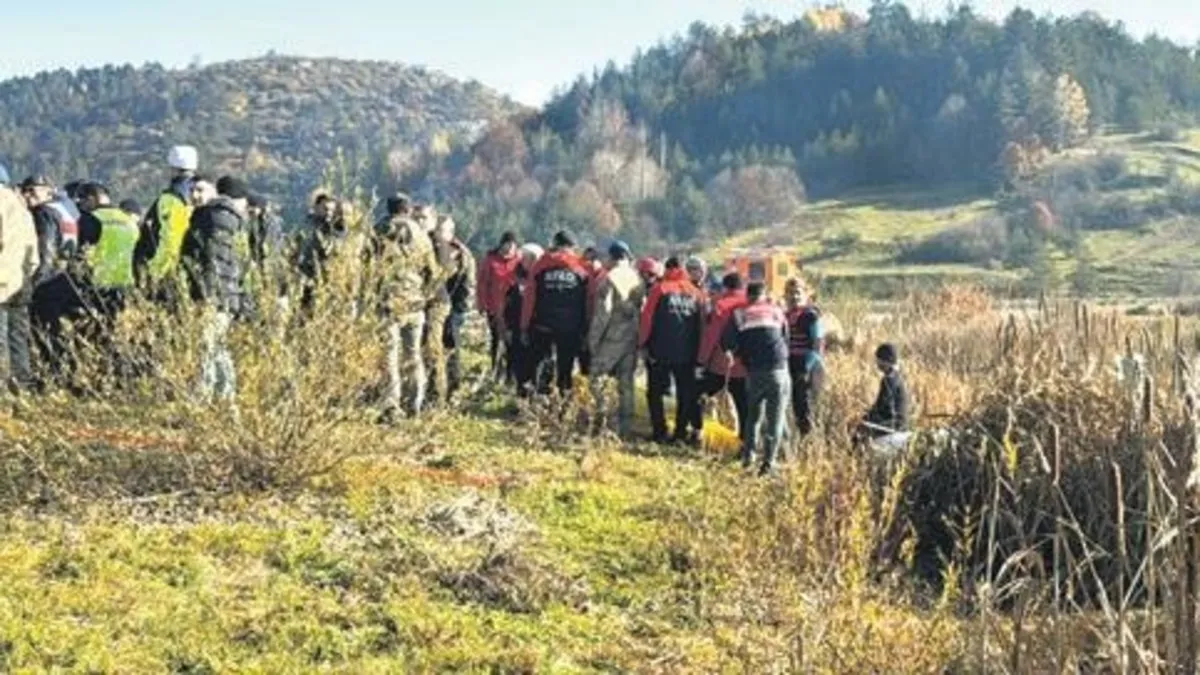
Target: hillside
723	130
279	120
1126	207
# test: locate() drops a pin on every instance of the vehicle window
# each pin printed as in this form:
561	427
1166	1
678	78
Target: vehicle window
758	271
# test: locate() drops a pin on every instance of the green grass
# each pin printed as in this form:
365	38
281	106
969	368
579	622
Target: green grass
853	240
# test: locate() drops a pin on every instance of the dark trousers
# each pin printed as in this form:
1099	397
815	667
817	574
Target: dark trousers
565	348
452	341
806	390
15	368
55	303
501	360
660	377
711	385
106	306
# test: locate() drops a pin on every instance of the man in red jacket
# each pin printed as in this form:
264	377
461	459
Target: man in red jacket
670	337
554	311
716	370
497	273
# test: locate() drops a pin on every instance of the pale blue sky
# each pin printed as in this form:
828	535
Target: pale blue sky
522	47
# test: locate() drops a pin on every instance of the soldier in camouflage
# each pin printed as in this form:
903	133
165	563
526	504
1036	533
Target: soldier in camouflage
403	253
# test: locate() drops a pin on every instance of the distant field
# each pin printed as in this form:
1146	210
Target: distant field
854	240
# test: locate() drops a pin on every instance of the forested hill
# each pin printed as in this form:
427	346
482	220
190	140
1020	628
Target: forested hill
719	130
279	120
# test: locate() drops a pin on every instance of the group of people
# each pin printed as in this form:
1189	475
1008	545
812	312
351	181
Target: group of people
550	311
72	255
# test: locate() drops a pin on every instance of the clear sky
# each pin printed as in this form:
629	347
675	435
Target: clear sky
522	47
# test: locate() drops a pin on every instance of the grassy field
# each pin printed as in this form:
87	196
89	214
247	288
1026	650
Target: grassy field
144	532
854	240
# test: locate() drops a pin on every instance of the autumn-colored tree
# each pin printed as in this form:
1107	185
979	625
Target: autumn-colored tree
1071	114
754	196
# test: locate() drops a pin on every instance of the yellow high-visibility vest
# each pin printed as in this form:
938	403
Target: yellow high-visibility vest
111	259
173	216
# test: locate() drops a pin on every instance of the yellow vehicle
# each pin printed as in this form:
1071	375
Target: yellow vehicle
772	266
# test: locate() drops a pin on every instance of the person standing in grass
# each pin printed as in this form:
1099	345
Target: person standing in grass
18	265
717	371
403	252
758	335
806	348
215	274
497	273
671	323
554	311
520	370
613	334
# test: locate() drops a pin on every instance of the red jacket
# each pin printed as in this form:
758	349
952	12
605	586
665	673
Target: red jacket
556	294
496	275
711	355
672	319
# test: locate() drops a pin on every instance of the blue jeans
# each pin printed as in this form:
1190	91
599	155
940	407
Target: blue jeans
770	389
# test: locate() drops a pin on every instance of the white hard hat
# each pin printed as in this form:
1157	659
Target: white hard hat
184	158
532	251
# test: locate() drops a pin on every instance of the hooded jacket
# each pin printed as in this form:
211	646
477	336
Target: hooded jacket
18	248
711	355
210	257
496	274
672	319
613	333
556	295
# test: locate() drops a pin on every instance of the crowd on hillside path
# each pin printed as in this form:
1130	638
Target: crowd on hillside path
72	254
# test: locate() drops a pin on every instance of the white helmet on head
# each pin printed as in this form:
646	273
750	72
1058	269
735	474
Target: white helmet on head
183	158
531	252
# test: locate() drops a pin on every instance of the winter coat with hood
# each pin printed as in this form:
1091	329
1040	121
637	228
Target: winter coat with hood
672	319
711	355
497	273
18	248
210	255
613	334
556	295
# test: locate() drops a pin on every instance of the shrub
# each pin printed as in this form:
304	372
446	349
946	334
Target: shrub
977	242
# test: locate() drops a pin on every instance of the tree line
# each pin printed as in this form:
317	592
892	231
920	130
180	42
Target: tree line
720	130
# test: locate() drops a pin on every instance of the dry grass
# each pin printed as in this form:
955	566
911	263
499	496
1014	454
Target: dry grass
146	532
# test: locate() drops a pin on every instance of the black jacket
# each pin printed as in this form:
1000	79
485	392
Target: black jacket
210	255
46	220
672	320
891	405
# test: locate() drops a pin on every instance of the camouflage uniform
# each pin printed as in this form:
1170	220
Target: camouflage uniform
407	280
452	260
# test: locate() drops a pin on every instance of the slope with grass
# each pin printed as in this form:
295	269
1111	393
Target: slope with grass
144	533
1144	246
